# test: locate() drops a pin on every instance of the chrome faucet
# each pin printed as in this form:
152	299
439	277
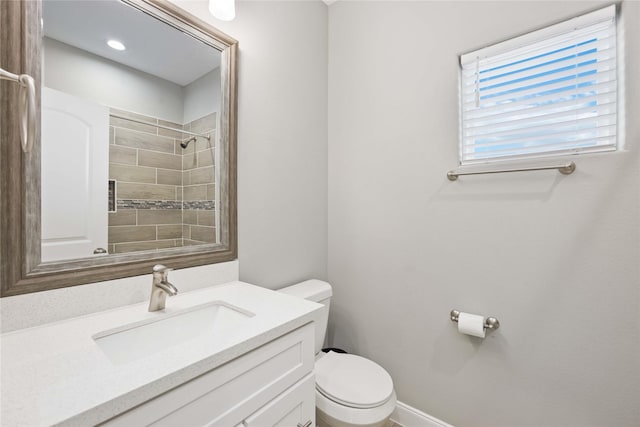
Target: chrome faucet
160	288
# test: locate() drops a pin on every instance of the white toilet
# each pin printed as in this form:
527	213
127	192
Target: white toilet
351	391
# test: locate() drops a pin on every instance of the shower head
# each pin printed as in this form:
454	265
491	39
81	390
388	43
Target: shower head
184	144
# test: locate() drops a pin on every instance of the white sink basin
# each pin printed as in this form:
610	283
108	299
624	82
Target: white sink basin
141	339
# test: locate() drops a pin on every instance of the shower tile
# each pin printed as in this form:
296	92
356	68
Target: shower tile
169	231
122	155
125	173
154	174
170	177
204	143
190	217
146	141
195	192
207	218
135	233
149	204
211	192
159	160
170	133
204	124
127	190
189	161
159	216
202	175
122	217
203	234
199	204
205	158
127	124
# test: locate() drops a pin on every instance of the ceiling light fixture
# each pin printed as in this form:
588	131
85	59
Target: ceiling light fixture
224	10
115	44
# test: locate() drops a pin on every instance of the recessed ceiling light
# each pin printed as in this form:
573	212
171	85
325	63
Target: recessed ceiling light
115	44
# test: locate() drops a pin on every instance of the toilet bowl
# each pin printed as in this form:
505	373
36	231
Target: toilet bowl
351	391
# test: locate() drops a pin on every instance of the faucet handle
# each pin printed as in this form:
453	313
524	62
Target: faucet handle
159	268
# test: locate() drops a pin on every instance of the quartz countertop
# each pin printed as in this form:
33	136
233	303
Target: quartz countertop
56	374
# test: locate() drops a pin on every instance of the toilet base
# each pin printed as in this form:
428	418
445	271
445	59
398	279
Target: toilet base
324	420
331	414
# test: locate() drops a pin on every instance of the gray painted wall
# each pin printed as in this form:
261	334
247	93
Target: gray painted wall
202	96
556	259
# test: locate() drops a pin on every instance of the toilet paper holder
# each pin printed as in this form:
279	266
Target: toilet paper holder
489	323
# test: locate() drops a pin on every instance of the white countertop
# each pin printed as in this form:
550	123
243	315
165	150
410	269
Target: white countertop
57	374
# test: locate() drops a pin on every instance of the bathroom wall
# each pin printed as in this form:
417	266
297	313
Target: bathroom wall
555	258
200	95
282	137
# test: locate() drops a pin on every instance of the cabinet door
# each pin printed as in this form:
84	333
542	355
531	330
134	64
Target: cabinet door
294	407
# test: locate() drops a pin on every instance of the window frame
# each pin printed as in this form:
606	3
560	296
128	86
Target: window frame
566	29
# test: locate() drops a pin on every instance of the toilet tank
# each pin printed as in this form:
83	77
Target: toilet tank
316	291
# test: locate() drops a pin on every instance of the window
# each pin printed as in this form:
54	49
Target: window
550	92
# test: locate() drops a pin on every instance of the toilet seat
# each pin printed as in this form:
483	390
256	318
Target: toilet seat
352	381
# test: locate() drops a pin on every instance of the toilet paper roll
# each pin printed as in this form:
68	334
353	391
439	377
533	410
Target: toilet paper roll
471	324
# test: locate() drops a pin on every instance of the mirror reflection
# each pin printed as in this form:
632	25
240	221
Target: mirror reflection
130	113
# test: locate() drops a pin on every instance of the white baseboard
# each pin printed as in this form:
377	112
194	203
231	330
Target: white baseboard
408	416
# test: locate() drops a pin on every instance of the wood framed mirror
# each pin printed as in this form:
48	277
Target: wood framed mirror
166	193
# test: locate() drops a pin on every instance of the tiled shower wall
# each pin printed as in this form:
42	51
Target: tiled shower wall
155	176
198	183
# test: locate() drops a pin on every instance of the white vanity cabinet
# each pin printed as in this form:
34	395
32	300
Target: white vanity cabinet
272	385
294	408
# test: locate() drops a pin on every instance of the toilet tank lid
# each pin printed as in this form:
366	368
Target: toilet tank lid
312	290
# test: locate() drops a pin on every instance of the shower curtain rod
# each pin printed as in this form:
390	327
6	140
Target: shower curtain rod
208	137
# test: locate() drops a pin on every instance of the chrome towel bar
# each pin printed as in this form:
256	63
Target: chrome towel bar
565	169
489	323
27	106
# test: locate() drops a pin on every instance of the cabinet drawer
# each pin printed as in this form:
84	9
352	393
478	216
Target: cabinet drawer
294	407
228	394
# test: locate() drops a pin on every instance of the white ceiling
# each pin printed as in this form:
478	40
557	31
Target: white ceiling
152	46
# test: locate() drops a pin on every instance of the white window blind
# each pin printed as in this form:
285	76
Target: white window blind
549	92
